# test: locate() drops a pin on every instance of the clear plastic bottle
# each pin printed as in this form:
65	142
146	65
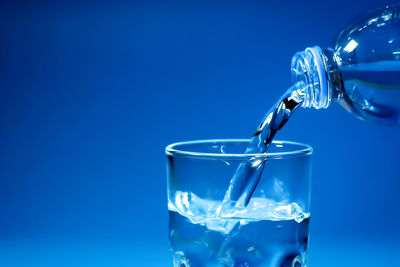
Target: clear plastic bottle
362	70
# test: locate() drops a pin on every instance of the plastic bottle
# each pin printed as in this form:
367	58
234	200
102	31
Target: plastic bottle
362	70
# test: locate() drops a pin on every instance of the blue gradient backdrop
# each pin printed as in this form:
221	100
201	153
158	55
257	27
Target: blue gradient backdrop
92	92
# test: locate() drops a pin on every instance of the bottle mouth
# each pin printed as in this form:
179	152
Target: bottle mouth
309	67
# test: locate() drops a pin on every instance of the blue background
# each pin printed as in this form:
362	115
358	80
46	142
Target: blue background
92	92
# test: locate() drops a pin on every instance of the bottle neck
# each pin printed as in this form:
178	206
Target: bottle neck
317	69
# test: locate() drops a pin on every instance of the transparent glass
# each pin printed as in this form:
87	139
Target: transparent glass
272	230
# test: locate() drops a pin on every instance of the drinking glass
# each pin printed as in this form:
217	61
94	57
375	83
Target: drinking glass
271	230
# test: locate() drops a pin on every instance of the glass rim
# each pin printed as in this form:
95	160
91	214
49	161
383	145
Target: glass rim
304	150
